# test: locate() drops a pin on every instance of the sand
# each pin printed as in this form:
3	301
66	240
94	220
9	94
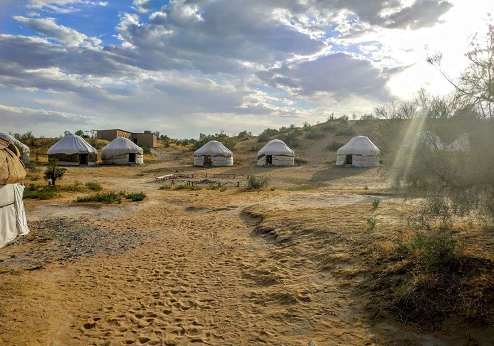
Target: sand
279	267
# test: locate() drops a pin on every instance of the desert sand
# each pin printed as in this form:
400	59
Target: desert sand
282	266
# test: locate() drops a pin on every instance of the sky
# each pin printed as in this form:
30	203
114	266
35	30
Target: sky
201	66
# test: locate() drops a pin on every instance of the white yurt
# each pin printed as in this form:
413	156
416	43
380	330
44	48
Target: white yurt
428	139
275	153
12	214
358	152
461	144
122	151
25	152
213	153
73	150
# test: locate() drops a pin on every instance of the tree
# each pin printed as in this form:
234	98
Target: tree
475	86
79	133
54	172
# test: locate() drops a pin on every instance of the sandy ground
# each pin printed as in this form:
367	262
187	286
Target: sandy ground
279	267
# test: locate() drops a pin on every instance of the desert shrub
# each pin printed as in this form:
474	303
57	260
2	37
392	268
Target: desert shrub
53	172
314	134
222	137
256	147
165	187
292	138
343	119
212	187
136	196
34	191
329	128
436	250
375	203
31	166
334	146
257	183
345	131
146	149
267	135
306	126
223	189
108	197
371	222
91	185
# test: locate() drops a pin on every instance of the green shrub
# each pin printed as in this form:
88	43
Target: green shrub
212	187
436	250
371	222
328	128
165	187
334	146
136	196
108	197
375	203
146	150
314	134
223	189
94	186
34	191
267	135
345	131
257	183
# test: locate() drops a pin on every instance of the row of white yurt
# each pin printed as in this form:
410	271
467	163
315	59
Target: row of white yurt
214	153
73	150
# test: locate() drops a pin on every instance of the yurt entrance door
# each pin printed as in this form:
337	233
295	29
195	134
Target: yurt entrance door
348	160
132	157
83	159
269	159
207	160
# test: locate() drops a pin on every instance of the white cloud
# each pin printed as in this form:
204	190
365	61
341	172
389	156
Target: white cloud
63	6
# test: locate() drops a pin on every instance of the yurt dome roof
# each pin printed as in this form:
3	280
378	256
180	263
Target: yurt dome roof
71	144
359	145
276	147
16	142
213	148
119	146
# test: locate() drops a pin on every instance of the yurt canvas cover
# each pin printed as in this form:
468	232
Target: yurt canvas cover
213	153
12	214
122	151
358	152
428	139
11	169
25	149
276	153
461	144
73	150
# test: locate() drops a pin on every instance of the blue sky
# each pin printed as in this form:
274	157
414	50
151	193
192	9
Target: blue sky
189	66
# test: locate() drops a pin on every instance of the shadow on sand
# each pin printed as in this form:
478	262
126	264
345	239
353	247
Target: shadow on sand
337	172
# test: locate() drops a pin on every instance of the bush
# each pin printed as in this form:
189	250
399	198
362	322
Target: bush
39	192
94	186
109	197
371	222
223	189
136	196
436	250
212	187
267	135
345	131
314	134
146	150
257	183
334	146
165	187
375	203
328	128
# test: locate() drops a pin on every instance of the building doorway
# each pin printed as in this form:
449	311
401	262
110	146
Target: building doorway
132	157
83	159
207	160
348	160
135	140
269	159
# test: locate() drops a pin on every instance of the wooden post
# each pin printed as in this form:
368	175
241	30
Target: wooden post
173	182
238	183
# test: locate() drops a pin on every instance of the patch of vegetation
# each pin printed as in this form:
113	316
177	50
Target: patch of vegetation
165	187
222	137
188	187
53	172
94	186
334	146
212	187
371	221
430	279
314	134
299	160
108	197
267	135
136	196
375	203
257	183
345	131
44	192
223	189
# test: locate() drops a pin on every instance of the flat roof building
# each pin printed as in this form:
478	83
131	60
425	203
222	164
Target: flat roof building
141	139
